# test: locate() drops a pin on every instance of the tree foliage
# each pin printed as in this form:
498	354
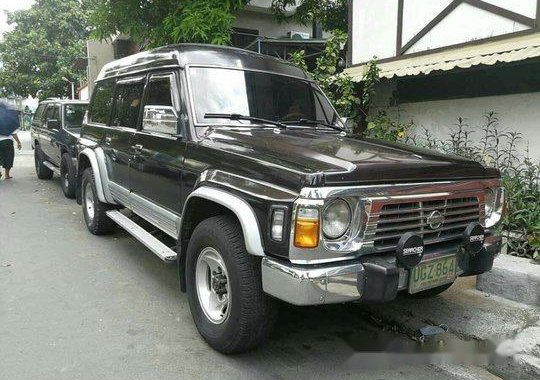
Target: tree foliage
42	48
161	22
332	14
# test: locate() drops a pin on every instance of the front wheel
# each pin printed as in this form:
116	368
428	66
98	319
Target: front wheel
224	287
95	211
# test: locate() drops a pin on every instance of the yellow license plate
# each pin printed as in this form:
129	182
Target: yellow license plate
432	274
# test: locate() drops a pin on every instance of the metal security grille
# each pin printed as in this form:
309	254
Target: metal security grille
436	220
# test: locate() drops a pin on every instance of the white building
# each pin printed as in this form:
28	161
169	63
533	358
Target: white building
443	59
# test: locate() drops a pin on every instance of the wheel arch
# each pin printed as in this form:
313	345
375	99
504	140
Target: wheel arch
92	158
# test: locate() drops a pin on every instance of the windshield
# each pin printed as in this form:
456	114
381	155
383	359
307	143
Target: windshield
74	114
255	94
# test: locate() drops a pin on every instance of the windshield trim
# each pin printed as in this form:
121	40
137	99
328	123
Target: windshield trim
196	123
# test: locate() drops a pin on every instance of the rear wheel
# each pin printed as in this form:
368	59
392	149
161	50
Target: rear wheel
95	211
68	175
42	171
224	287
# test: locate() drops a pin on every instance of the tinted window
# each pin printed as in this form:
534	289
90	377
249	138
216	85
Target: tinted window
101	104
263	95
73	115
127	104
159	114
39	112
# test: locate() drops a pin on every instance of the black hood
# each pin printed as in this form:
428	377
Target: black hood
331	159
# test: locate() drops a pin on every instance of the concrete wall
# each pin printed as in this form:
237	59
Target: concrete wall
374	25
99	54
517	112
266	24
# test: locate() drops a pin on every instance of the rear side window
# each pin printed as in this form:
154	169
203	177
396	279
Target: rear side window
127	104
101	104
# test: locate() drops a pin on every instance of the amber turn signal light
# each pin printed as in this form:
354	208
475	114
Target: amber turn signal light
306	228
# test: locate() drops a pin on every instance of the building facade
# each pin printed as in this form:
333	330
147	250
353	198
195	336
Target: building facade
444	59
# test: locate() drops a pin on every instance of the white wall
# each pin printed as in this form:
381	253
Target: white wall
374	25
518	112
99	54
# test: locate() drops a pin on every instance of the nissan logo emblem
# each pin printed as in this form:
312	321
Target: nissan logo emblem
435	220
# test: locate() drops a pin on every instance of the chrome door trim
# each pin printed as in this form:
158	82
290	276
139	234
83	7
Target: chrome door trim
167	221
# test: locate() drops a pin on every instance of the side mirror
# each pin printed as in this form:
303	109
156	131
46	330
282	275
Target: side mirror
349	124
53	124
162	119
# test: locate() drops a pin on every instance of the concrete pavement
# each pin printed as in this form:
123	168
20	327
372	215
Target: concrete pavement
78	306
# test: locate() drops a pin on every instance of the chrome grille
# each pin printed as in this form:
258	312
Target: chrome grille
387	222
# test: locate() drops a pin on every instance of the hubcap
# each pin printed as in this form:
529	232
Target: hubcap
212	284
89	201
66	180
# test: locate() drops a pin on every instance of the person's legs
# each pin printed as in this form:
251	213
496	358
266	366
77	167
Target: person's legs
7	152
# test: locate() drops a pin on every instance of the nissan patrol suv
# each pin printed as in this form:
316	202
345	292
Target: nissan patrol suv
261	194
55	129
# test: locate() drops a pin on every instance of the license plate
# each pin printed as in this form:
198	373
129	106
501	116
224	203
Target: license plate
432	274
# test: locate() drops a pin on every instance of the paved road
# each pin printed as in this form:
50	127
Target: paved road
77	306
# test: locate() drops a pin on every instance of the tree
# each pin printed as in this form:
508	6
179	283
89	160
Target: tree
332	14
42	48
153	23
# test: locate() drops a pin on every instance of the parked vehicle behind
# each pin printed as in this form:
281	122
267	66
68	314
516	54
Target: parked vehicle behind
55	129
243	163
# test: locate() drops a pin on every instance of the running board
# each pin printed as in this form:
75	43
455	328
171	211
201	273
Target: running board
161	250
52	167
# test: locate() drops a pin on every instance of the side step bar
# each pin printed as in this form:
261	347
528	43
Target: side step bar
52	167
161	250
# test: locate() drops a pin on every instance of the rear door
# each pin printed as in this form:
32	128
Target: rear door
155	174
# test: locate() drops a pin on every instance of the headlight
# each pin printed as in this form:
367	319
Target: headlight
494	205
336	219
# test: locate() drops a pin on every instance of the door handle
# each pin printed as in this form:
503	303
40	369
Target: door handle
108	140
137	148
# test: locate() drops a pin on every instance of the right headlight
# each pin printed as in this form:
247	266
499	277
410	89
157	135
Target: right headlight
336	218
494	205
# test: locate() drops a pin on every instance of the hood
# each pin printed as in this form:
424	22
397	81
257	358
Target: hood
328	158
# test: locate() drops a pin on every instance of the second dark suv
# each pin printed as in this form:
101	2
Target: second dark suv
55	129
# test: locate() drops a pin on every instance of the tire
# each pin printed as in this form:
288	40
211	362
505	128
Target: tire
431	292
68	176
42	171
250	314
95	211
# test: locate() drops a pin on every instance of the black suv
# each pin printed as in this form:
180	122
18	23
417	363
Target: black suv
242	163
55	129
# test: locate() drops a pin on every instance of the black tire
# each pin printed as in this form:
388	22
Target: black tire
431	292
68	174
98	223
252	313
42	171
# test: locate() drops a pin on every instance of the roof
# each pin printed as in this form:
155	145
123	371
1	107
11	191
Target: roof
64	101
488	53
198	54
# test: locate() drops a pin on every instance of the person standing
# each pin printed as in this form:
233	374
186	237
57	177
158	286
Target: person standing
9	124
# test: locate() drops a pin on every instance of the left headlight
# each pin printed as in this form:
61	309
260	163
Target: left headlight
494	205
336	218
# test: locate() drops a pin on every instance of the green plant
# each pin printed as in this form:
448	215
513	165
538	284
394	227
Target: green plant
520	176
382	127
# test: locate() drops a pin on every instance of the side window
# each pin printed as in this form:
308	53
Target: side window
159	114
128	100
56	113
99	109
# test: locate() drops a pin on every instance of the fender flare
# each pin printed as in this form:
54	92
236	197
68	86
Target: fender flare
242	210
97	161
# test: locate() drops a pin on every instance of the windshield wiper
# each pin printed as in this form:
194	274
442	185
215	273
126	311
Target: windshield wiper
312	122
237	116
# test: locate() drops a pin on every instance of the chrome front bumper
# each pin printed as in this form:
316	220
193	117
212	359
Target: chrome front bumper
369	279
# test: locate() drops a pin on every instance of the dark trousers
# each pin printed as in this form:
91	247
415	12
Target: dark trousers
7	153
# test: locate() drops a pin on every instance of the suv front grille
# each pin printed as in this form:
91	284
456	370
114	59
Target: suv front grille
436	220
